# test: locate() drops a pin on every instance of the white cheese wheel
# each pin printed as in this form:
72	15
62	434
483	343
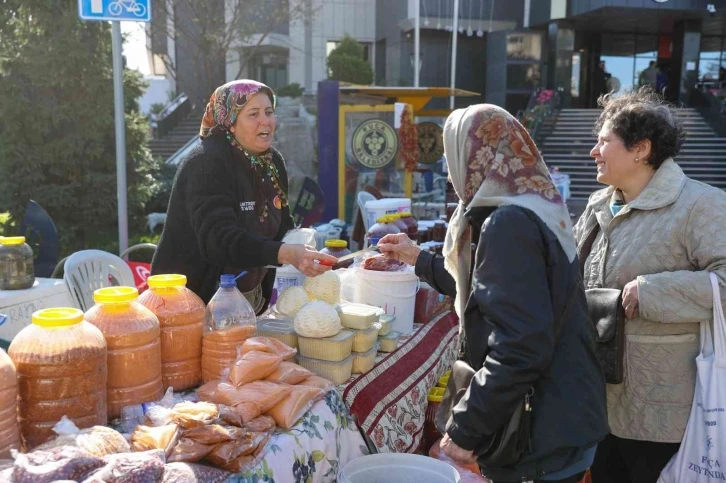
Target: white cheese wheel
317	319
291	301
325	287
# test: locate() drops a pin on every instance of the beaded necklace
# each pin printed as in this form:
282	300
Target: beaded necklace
264	165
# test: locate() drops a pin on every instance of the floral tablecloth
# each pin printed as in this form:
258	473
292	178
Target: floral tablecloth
389	403
323	441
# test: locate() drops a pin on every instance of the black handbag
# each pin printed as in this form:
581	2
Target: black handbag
605	306
514	439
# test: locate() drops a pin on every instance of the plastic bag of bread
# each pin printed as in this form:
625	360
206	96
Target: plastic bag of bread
380	263
193	473
223	455
97	440
268	344
189	451
317	381
60	463
295	405
147	466
253	366
289	373
190	415
261	424
207	391
146	438
227	415
213	434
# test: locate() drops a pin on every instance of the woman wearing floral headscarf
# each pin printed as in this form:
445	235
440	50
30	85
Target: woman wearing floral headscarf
228	209
521	303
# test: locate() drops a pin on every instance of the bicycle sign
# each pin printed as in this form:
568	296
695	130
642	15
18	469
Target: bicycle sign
115	10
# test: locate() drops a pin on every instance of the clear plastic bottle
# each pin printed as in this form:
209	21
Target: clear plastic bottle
134	348
382	228
9	431
61	367
16	264
181	319
228	322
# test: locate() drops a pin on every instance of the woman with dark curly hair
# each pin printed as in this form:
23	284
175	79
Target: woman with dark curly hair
659	235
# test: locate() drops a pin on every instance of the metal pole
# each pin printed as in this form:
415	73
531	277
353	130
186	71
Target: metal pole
118	98
417	44
454	38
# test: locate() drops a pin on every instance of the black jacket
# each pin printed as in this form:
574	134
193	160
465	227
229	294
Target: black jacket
206	231
521	280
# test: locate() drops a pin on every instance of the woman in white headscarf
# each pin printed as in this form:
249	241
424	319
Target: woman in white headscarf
521	304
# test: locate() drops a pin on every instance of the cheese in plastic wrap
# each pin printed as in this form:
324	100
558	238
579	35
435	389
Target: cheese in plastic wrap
325	287
291	300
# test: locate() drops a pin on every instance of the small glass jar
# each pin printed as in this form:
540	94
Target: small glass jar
423	235
16	264
450	208
439	231
337	249
396	220
411	224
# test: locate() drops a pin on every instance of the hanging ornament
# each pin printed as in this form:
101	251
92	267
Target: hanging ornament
469	31
426	17
438	17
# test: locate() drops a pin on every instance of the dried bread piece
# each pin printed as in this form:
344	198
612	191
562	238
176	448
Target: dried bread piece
97	440
190	415
146	438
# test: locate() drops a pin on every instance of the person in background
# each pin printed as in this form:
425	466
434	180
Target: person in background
649	76
519	299
228	209
600	80
662	80
659	236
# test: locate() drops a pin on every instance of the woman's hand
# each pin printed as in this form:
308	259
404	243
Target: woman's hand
400	247
304	259
456	453
630	299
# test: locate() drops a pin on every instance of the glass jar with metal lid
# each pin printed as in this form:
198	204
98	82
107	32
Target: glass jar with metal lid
16	264
337	249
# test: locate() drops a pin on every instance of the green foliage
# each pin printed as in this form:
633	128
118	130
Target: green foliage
346	63
57	141
290	90
156	107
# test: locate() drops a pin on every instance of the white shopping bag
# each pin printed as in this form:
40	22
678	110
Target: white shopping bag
702	455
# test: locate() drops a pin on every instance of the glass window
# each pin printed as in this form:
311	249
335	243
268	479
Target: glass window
710	59
524	46
523	76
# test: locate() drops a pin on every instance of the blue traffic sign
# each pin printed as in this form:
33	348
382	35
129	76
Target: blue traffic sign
114	10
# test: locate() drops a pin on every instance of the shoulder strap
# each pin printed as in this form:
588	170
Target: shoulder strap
585	248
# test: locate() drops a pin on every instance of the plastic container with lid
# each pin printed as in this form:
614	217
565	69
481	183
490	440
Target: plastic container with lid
363	362
438	232
336	372
383	227
181	319
61	366
389	342
16	264
332	349
386	322
396	220
280	329
363	340
430	433
134	348
411	224
229	321
337	249
9	430
358	316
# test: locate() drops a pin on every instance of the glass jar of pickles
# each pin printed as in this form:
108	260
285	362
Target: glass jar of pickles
16	264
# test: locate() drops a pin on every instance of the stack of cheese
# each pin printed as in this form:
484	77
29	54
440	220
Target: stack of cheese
335	340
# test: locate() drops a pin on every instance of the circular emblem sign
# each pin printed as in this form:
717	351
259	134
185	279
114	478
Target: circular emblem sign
374	143
430	142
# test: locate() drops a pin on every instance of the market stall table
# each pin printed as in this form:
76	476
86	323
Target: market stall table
389	402
16	306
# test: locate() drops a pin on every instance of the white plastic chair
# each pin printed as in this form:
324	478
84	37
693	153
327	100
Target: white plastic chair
88	270
363	198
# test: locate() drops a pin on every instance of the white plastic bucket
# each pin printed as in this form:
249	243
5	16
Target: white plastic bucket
394	292
385	206
398	467
286	276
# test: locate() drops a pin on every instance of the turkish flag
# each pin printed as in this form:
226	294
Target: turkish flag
141	272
